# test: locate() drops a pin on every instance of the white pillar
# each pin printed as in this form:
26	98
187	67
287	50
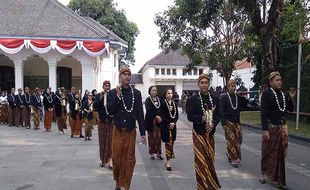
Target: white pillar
19	74
88	77
52	73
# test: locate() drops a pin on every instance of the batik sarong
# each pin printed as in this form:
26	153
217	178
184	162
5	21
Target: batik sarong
204	163
48	119
154	140
274	153
105	141
169	147
123	156
26	116
36	117
4	113
233	135
11	119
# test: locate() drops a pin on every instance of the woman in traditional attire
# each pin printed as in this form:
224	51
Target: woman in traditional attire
203	110
12	105
60	111
274	108
88	109
76	116
231	105
170	116
95	112
36	105
105	126
3	108
152	123
48	109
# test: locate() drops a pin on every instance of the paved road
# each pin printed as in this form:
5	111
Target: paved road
37	160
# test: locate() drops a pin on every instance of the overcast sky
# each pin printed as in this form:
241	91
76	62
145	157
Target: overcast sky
142	12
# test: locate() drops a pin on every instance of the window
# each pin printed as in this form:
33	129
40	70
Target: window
174	72
200	71
190	72
195	71
162	71
184	71
168	71
156	71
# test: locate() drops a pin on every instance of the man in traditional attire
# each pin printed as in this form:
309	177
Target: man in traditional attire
76	120
19	108
36	105
12	105
27	108
231	104
274	108
125	103
105	126
203	110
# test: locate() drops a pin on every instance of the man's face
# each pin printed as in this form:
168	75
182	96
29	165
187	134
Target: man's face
106	87
13	90
26	90
203	85
231	88
276	82
125	78
73	90
20	91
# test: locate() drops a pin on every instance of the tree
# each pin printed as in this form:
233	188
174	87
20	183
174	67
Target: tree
206	31
104	11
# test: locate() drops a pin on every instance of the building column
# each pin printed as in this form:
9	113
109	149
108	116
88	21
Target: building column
19	74
52	75
88	77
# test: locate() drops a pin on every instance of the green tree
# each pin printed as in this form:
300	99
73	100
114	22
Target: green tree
105	12
206	31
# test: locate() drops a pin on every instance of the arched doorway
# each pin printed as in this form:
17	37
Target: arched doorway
69	73
7	73
36	72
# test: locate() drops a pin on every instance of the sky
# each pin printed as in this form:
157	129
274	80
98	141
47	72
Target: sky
142	12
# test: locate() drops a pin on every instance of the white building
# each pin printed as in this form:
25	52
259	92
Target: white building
43	43
168	70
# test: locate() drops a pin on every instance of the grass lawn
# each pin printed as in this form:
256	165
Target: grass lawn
254	119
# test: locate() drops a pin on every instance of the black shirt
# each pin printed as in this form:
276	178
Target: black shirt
151	112
195	113
227	111
122	118
270	112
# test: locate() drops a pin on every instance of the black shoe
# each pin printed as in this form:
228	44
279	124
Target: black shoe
71	136
152	158
86	138
89	138
117	188
101	164
169	168
17	125
111	167
81	136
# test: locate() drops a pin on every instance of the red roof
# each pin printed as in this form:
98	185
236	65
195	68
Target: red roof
243	64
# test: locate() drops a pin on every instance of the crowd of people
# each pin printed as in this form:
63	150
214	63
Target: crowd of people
116	112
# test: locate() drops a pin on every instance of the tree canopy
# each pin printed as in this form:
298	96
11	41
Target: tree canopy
105	12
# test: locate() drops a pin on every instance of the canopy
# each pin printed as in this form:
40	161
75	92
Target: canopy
41	46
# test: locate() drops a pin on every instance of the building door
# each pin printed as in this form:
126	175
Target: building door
64	77
7	78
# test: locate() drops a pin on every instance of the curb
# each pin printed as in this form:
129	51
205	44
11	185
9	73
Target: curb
293	136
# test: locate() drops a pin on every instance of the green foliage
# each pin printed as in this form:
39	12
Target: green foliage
206	31
104	11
